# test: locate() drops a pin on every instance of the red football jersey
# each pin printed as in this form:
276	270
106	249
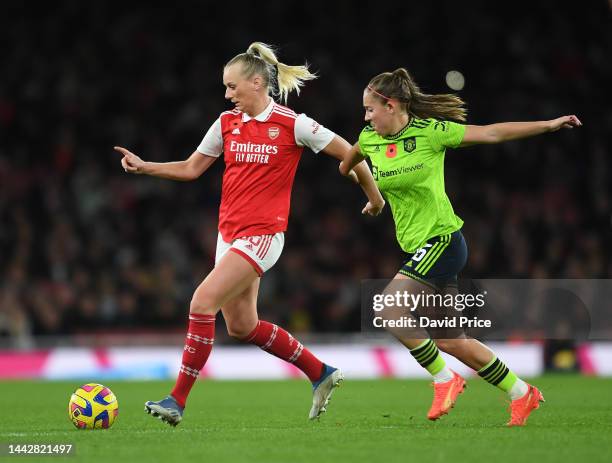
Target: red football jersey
261	159
261	156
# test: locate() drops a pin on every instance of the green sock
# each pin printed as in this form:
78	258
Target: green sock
498	374
428	356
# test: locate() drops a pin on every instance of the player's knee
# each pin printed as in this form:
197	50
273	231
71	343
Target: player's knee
241	328
203	305
449	346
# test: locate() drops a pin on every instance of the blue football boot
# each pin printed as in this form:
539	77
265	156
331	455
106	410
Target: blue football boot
167	410
322	390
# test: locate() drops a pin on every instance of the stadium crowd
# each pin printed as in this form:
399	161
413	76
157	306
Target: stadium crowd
86	248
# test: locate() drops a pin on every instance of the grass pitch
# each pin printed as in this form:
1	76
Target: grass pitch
370	421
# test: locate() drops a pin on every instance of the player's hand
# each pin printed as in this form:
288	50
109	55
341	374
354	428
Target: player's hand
373	209
130	162
565	122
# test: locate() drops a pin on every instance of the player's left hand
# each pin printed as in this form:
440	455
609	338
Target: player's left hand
564	122
373	209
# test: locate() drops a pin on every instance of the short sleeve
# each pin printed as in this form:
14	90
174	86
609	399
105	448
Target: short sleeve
212	143
361	143
445	134
310	133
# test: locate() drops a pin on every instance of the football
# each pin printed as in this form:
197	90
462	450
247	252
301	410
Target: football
93	406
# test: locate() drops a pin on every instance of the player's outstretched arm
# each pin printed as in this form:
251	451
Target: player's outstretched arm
497	133
189	169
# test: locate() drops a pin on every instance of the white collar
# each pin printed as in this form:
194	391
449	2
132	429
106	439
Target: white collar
262	116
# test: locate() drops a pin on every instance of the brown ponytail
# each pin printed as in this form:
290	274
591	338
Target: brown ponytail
399	85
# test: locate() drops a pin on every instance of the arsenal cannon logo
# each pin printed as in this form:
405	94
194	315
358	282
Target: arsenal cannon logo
273	132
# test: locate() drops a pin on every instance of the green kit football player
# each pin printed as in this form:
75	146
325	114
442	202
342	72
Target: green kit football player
405	140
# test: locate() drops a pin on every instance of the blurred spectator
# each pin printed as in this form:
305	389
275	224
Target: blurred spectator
84	247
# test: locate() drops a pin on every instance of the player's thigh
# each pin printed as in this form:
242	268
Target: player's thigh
438	262
231	276
240	313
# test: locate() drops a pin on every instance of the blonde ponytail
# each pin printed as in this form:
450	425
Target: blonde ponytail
280	78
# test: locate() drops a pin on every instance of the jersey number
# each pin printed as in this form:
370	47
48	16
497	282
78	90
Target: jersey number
418	256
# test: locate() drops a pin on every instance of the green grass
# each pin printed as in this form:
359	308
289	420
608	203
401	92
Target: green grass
370	421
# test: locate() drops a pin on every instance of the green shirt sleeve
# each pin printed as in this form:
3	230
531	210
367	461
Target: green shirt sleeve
445	134
363	136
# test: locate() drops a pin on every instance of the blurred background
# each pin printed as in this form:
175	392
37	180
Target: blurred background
91	256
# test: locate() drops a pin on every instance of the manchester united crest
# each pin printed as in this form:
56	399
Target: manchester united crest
273	132
409	144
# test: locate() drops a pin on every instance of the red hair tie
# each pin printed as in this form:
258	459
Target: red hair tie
379	94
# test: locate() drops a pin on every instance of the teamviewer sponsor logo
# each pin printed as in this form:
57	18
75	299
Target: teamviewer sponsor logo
377	173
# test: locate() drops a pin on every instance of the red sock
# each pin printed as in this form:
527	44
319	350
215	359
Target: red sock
278	342
198	344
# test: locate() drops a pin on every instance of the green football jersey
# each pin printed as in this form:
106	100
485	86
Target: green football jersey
409	170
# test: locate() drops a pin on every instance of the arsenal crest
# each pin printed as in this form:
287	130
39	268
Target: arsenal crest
273	132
